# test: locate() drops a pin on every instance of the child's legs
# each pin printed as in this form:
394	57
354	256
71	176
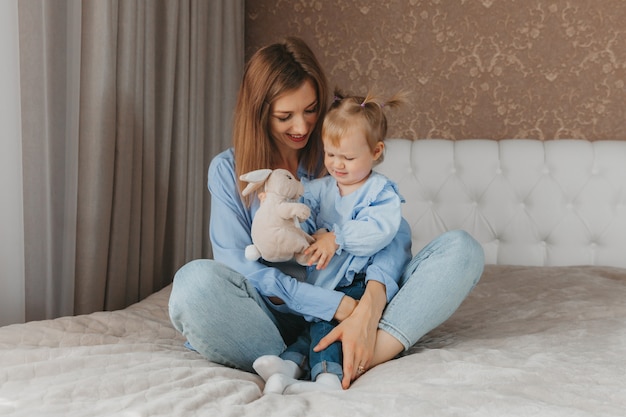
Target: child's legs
329	360
298	352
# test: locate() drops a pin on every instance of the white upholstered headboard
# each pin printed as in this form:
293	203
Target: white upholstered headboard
528	202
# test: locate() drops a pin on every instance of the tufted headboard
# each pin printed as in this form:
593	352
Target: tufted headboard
528	202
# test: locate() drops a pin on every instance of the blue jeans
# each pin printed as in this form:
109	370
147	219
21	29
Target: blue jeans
329	359
226	320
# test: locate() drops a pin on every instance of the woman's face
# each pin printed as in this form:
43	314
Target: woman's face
293	116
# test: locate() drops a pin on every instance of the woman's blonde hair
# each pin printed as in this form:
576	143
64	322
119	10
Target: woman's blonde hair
270	72
369	111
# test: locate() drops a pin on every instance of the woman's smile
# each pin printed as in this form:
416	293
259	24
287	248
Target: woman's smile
298	138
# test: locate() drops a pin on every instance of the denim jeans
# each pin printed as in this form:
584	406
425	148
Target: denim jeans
329	359
226	320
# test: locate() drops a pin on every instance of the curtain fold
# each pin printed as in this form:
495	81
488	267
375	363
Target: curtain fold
49	90
127	102
12	288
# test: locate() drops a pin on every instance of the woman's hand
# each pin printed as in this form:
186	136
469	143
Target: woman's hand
357	332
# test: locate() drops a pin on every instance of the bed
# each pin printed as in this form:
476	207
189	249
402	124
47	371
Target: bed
542	334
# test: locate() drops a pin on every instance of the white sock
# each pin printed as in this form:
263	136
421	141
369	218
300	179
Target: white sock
277	383
323	382
269	365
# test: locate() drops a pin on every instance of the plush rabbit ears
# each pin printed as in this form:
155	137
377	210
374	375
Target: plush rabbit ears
256	179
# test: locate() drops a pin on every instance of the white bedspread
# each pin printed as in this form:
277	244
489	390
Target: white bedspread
529	341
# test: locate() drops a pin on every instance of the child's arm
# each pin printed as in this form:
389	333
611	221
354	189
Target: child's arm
372	228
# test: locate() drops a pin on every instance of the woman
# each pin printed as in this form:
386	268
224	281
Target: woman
234	311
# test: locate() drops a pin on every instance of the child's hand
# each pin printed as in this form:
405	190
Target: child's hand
322	250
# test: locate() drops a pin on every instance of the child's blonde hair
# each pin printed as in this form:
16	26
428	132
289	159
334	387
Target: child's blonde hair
346	110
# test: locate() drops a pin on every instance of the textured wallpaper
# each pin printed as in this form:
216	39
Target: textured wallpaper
493	69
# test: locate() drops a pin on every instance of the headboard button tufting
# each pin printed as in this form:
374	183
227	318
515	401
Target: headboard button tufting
569	193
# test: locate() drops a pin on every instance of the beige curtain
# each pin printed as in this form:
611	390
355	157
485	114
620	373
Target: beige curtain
124	103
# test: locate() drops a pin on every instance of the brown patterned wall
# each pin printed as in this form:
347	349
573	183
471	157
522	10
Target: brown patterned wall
493	69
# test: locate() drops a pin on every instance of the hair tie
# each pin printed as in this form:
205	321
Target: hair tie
363	104
336	99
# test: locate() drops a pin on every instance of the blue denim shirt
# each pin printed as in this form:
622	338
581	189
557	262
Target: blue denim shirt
363	222
229	231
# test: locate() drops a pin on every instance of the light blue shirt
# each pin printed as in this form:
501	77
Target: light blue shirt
230	226
363	222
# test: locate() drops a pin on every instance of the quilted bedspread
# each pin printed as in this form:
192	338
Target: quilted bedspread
529	341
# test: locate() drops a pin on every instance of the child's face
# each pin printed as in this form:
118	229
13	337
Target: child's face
351	161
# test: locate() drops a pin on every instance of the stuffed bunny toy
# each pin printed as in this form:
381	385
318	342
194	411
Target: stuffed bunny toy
276	232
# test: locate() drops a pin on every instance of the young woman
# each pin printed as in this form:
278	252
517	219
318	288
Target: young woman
232	311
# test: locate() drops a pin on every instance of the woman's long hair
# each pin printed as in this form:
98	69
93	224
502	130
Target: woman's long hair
270	72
